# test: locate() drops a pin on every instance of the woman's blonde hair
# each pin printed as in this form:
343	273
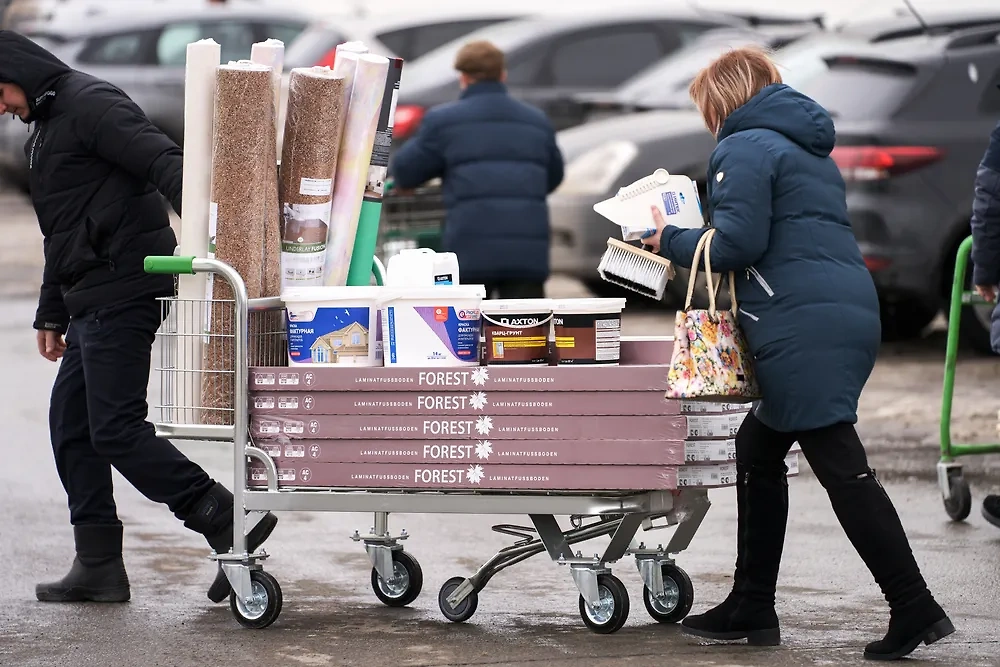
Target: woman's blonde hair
729	82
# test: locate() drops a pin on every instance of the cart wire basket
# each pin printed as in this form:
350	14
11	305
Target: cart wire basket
207	349
410	220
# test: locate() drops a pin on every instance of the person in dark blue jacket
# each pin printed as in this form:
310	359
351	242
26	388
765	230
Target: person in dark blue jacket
810	313
986	258
498	161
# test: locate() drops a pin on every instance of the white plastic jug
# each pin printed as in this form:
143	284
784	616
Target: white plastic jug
422	267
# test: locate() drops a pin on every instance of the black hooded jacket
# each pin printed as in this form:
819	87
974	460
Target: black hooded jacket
96	164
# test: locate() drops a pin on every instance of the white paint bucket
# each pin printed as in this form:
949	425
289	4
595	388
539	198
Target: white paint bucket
588	331
333	326
425	327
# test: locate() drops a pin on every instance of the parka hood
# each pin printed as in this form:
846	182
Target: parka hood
785	110
33	69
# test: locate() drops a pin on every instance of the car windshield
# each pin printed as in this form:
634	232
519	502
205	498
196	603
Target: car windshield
665	85
437	66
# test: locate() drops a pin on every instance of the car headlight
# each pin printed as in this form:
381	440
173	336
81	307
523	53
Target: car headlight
596	171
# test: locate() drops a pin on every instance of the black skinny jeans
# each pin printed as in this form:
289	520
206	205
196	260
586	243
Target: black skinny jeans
835	453
97	418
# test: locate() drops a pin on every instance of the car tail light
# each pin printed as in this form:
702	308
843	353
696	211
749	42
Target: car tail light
877	263
328	58
875	163
407	120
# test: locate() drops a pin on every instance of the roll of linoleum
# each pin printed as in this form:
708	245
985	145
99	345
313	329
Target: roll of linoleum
242	165
272	53
308	162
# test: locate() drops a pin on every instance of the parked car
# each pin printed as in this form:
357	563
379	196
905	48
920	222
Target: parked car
665	85
145	56
913	115
407	37
551	58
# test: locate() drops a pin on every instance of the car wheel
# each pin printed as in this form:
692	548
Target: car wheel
904	320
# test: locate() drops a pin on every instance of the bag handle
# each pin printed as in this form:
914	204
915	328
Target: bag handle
693	276
713	292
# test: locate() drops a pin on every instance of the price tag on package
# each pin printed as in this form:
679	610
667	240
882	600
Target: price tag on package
703	407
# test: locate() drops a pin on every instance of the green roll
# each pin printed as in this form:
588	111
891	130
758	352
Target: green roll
360	273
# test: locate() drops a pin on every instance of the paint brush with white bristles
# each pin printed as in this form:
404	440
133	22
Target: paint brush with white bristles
635	269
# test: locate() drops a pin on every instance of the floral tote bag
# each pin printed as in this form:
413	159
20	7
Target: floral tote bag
711	358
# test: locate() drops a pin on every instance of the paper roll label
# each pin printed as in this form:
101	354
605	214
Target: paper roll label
316	187
303	244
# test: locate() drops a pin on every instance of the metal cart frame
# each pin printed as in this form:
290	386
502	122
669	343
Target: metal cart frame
396	576
955	489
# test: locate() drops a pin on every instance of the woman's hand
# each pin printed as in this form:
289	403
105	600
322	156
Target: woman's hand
653	242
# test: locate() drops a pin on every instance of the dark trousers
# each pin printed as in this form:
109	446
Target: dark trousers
97	418
515	289
865	512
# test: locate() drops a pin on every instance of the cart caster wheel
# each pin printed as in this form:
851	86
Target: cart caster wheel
404	585
265	606
465	609
958	504
678	596
610	614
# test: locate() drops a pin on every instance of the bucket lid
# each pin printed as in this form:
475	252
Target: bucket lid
321	293
433	293
594	305
529	306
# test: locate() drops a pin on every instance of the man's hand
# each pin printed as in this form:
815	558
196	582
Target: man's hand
988	292
50	344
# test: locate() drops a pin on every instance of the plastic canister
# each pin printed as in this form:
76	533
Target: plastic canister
422	267
333	326
588	331
431	326
446	268
516	331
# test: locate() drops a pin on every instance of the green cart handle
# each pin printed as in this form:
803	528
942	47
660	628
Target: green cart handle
168	264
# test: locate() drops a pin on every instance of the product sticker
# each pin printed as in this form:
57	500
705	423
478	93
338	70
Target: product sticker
316	187
329	336
670	203
588	338
438	333
303	243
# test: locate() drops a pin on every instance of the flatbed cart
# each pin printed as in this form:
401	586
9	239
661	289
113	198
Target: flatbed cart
396	577
954	487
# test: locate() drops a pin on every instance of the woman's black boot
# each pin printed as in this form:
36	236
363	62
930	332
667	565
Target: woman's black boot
748	612
213	518
98	571
871	523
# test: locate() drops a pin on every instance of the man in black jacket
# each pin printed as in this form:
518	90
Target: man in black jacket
96	165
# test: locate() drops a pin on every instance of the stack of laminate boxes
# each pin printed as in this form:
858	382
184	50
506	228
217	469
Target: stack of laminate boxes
492	428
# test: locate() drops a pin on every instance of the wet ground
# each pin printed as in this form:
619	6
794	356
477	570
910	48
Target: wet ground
528	615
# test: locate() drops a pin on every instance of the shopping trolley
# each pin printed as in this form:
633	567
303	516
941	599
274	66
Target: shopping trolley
413	219
955	489
396	577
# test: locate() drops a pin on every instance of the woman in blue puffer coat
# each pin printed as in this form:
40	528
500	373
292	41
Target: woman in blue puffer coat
810	313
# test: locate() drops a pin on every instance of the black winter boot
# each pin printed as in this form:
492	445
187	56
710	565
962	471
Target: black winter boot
213	518
748	612
98	571
871	523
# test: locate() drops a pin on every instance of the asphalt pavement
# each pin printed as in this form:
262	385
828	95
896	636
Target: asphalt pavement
528	615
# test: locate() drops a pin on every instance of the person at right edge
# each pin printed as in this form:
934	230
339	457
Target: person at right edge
498	160
95	165
810	313
986	258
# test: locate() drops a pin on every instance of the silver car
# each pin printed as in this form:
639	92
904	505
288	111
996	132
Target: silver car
144	54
